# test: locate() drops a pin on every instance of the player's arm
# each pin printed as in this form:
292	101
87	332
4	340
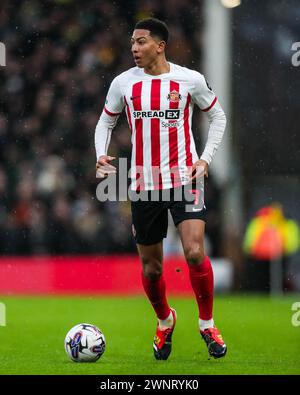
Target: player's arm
113	108
207	101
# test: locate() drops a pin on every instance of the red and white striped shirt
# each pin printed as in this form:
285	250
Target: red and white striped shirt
159	111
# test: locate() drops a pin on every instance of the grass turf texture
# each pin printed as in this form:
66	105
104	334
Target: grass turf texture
257	330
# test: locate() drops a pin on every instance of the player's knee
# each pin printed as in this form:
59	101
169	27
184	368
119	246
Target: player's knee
152	273
152	268
194	255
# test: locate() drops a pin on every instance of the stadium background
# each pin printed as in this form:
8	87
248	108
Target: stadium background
55	237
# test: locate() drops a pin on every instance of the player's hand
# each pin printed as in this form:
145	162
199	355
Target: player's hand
103	166
199	169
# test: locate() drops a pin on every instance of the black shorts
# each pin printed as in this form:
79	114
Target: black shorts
150	218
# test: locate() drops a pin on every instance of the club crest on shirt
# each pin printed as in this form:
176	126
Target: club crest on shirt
174	96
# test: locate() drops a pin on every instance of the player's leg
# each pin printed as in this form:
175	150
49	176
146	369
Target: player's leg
201	275
150	223
191	233
151	257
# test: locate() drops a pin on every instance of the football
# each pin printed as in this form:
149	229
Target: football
85	343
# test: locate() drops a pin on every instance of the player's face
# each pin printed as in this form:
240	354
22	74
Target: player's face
145	48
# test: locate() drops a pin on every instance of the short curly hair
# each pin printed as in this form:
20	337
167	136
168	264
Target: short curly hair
156	27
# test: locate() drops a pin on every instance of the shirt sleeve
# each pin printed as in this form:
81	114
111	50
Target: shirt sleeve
114	102
205	98
114	105
217	124
203	95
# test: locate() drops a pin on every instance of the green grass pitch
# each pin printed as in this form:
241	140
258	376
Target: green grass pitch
257	329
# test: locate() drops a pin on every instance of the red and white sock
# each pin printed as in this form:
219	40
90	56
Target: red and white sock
156	292
167	323
202	280
204	324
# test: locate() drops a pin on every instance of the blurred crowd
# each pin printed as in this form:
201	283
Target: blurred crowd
61	58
